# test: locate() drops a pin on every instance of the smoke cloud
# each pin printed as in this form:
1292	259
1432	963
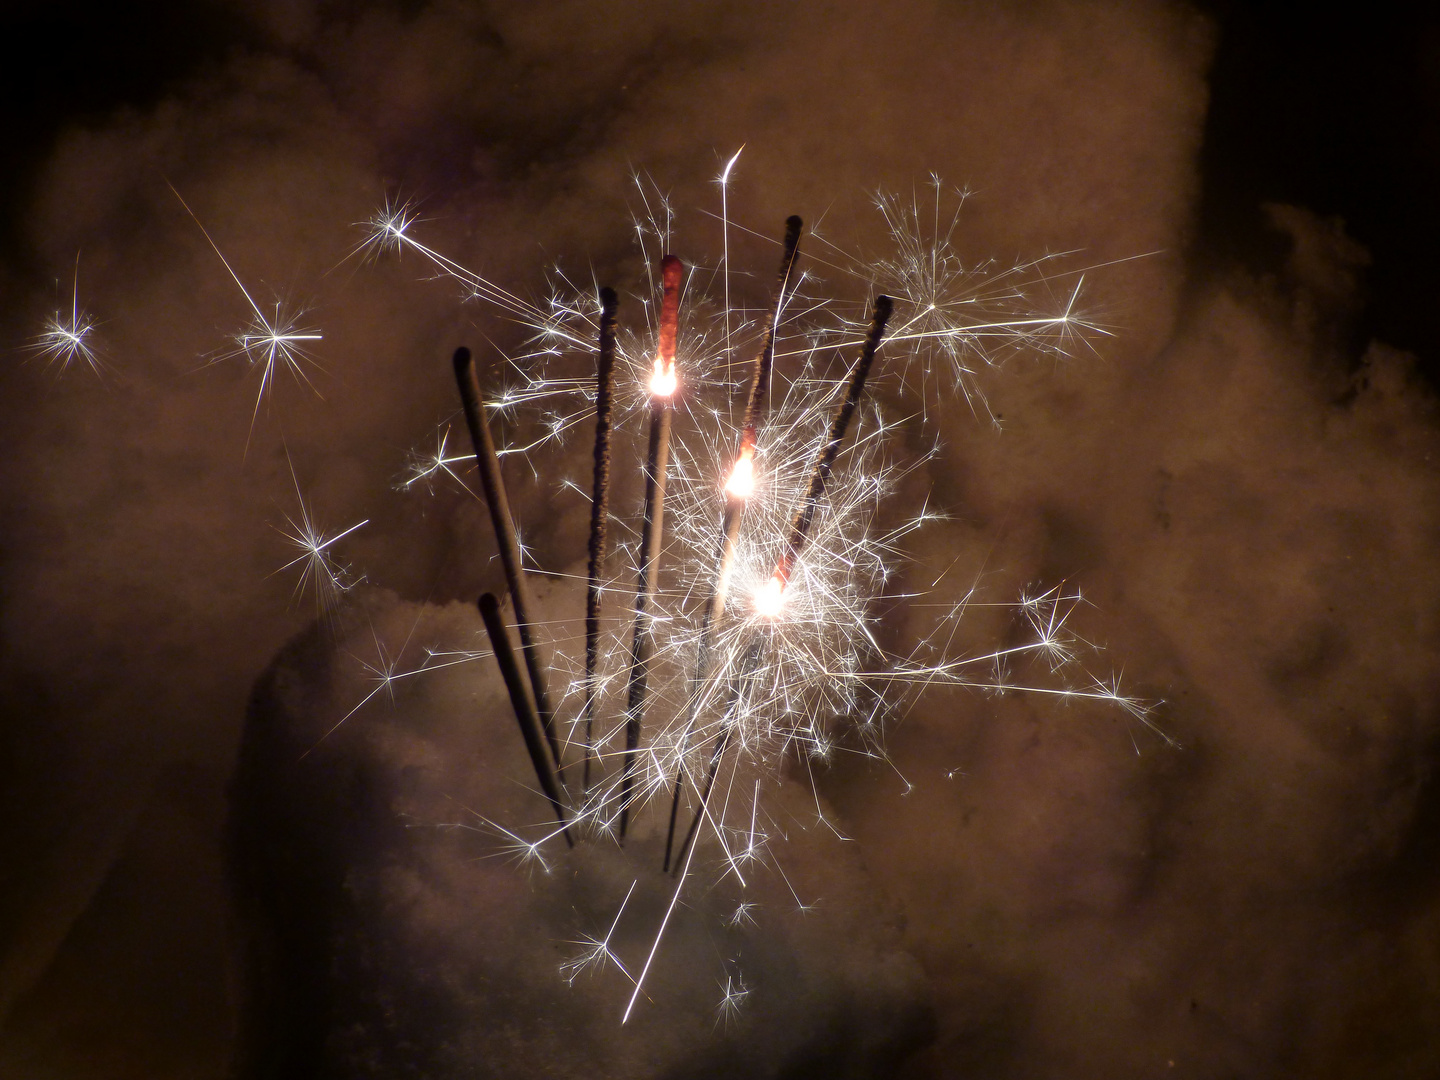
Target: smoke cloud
1051	889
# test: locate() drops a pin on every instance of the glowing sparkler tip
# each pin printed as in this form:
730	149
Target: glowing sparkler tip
663	380
770	598
741	483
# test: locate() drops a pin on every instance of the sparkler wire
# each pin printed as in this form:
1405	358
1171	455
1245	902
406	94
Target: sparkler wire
599	511
800	527
524	711
505	539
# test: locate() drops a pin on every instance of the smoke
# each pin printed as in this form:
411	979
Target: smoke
1251	514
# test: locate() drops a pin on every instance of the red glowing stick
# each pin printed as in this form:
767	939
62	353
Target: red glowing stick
663	384
738	486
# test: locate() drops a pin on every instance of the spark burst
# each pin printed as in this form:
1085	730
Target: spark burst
320	571
65	342
270	345
794	672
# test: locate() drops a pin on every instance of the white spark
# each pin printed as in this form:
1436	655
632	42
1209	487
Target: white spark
65	340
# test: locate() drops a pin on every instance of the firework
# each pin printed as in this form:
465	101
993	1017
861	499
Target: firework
663	384
718	690
738	488
769	600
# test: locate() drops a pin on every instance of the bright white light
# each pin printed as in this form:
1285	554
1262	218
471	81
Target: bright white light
742	478
663	380
770	598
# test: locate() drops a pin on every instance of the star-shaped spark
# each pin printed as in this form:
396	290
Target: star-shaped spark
269	344
64	341
733	993
426	467
276	344
319	569
385	229
595	953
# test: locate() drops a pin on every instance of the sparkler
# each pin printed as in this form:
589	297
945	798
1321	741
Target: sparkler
505	539
530	728
720	686
663	384
599	513
738	489
769	600
769	681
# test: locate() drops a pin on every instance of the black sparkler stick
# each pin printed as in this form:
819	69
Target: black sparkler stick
599	512
524	711
505	539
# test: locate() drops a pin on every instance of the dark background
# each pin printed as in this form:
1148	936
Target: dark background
1336	110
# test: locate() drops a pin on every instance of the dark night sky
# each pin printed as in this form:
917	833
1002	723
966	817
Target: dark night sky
1243	483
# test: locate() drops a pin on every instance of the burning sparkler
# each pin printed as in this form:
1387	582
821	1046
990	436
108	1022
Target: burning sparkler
663	384
739	486
718	692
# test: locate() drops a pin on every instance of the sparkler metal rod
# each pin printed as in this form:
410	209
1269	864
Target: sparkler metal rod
599	511
735	503
656	462
524	711
804	518
506	540
760	376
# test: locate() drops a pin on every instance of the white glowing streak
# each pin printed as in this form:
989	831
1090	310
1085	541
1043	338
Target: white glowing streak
660	933
725	240
597	952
